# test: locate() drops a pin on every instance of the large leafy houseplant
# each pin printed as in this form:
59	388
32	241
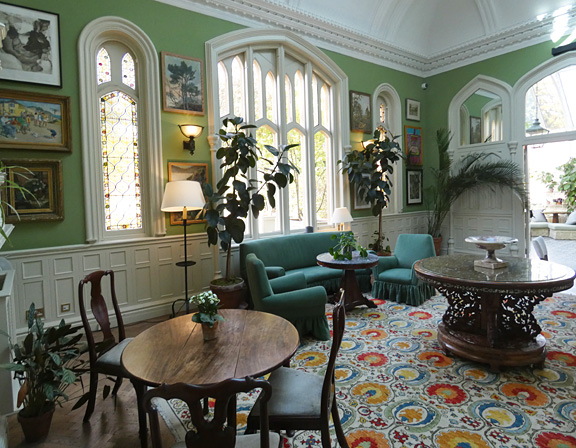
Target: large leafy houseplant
237	194
46	362
475	171
370	171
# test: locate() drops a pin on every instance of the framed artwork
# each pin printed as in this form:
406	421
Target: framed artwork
182	84
360	112
34	121
358	203
412	110
475	130
31	47
413	140
187	171
42	178
414	187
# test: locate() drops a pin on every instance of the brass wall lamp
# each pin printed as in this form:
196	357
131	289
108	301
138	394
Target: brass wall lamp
190	131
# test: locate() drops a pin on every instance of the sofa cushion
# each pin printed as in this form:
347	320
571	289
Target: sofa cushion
538	216
397	275
571	220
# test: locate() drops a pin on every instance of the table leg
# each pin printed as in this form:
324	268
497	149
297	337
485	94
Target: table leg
140	388
352	295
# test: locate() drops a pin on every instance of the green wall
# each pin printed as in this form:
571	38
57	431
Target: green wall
183	32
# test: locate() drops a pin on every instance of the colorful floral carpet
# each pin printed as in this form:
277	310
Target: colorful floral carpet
396	388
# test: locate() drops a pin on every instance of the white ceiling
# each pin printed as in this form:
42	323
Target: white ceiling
423	37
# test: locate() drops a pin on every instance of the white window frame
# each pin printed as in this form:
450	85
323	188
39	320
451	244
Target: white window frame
241	41
145	56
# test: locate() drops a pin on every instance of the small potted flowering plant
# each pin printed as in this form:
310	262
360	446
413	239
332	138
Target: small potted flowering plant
207	315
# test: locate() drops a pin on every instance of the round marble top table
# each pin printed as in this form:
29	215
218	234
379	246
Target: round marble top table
489	316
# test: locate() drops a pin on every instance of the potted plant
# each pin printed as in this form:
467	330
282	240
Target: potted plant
207	315
476	170
237	195
46	362
369	172
346	245
378	244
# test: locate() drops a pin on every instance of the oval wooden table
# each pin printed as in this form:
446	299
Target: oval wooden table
248	343
352	295
489	317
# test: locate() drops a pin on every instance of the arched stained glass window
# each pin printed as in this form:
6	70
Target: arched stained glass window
103	66
128	71
120	164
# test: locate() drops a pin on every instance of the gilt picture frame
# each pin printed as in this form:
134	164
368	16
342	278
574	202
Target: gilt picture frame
31	48
360	112
34	121
42	178
187	171
182	84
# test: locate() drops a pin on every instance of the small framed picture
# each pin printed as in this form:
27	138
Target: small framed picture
413	140
412	110
187	171
182	84
34	121
358	202
42	178
360	112
475	130
414	187
31	47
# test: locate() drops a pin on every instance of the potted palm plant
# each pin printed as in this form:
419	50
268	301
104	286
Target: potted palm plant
475	171
369	172
46	362
237	195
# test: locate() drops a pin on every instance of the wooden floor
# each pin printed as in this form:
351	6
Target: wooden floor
114	422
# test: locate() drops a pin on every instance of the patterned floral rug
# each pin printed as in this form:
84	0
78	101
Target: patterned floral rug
396	388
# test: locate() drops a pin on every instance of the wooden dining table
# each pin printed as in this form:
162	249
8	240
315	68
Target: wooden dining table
249	343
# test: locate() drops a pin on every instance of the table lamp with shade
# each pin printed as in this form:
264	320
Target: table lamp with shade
340	216
181	196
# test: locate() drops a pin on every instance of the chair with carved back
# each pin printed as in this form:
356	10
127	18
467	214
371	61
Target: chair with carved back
105	355
220	430
305	401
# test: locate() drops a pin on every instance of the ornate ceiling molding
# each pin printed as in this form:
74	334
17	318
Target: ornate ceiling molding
331	36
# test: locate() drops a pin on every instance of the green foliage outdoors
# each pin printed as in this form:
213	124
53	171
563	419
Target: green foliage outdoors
46	362
346	245
237	194
567	183
474	171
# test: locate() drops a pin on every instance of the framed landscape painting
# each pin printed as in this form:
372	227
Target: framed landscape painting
187	171
34	121
31	48
182	84
42	178
360	112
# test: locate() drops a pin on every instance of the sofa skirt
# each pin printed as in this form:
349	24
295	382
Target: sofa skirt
408	294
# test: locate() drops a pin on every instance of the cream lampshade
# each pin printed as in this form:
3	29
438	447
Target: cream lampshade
340	216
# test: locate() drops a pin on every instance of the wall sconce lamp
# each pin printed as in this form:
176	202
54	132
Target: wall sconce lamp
190	131
340	216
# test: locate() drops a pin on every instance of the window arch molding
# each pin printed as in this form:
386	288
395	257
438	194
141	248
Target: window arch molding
394	126
521	88
91	38
485	83
253	39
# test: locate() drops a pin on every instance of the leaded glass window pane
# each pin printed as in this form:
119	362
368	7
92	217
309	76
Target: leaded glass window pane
297	189
324	106
120	162
315	100
257	90
128	71
223	90
271	97
269	219
289	108
103	66
238	87
321	145
299	97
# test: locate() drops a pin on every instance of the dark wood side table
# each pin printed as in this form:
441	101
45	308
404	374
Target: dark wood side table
489	317
248	343
352	294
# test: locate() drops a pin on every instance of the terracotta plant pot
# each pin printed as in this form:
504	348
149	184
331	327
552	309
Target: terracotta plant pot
36	428
208	332
231	296
437	244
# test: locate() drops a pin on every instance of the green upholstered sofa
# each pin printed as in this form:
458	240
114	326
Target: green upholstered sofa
290	254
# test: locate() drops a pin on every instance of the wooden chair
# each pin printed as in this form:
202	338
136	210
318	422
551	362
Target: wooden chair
104	355
302	400
220	431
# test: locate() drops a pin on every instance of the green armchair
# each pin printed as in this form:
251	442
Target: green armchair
288	297
394	276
